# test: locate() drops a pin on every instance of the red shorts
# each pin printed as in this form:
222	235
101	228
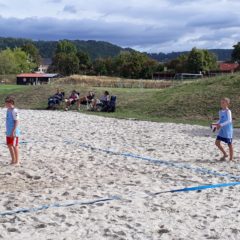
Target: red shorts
13	141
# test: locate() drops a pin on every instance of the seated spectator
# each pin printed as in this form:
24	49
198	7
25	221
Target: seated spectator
103	101
73	98
111	106
55	100
87	99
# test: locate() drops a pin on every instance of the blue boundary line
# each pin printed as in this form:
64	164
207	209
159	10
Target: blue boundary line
158	161
114	198
149	159
57	205
199	188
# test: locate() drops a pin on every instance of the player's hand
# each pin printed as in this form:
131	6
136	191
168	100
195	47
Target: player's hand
218	126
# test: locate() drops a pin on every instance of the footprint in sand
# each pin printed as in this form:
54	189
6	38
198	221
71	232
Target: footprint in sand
42	225
12	230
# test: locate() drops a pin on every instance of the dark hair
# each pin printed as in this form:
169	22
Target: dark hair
106	93
10	99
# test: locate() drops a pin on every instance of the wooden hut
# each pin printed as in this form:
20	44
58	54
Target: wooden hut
35	78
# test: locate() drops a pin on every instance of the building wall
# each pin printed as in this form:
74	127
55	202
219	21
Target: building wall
43	68
32	81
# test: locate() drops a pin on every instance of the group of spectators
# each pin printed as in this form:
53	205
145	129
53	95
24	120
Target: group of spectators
92	103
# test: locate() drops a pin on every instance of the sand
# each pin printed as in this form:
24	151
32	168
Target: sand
57	168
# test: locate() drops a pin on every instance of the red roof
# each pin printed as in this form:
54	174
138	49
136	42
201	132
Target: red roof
38	75
31	75
228	66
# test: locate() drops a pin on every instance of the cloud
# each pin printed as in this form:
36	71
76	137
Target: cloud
2	5
153	25
216	22
117	32
70	9
54	1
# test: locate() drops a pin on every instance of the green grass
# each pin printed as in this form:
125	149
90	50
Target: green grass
193	102
10	88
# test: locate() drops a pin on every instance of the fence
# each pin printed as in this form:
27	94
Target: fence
101	81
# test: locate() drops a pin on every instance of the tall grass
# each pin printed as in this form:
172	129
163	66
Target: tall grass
113	82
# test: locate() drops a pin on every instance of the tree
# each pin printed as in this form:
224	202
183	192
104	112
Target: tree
65	64
195	61
71	64
65	60
7	62
15	61
32	52
99	67
67	47
134	65
149	67
179	64
201	61
126	65
23	63
236	52
210	61
84	62
110	66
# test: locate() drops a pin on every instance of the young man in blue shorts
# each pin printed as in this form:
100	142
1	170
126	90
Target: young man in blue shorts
225	127
12	130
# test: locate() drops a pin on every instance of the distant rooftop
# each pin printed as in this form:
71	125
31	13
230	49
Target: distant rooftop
228	66
38	75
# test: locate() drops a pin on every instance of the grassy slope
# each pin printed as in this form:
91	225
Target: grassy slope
196	102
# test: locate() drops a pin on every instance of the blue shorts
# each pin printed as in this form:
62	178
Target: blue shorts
226	140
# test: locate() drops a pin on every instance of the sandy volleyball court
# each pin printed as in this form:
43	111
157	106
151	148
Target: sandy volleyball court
64	160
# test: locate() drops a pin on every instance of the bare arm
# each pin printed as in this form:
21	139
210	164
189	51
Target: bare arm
14	128
16	121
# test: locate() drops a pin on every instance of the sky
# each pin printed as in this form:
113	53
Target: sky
150	25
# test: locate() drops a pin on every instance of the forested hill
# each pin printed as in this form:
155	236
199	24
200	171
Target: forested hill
222	55
97	49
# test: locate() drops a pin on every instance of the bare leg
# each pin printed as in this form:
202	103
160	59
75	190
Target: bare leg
230	152
16	152
93	103
218	144
12	153
78	104
68	103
